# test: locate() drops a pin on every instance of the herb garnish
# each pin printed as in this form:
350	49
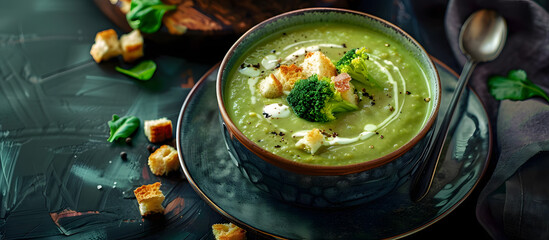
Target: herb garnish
516	86
143	71
146	15
122	127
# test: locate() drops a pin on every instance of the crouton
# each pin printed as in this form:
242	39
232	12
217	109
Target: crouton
288	75
132	46
228	231
350	95
312	141
106	46
150	199
158	130
174	27
270	87
125	5
318	63
343	85
163	160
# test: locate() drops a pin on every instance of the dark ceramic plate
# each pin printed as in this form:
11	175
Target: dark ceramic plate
218	181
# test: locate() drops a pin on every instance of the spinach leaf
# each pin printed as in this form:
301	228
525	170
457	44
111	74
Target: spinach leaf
146	15
122	127
143	71
515	86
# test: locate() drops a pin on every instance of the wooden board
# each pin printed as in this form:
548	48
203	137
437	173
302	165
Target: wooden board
212	26
211	17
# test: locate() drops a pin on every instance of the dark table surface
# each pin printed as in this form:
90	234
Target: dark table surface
60	178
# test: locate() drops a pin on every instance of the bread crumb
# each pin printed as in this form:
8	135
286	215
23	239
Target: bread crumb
150	199
228	231
158	130
163	160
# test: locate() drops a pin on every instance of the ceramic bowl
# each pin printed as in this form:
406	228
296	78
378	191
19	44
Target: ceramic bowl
315	185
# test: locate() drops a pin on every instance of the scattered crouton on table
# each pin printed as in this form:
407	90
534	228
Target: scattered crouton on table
158	130
163	160
132	46
150	199
106	46
228	231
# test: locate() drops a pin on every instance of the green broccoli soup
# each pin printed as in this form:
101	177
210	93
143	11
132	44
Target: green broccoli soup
329	94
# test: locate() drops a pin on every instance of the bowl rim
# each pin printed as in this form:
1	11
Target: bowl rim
313	169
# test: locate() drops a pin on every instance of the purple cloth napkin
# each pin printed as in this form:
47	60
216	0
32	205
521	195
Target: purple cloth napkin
515	201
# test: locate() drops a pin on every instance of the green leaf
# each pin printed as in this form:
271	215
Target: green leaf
122	127
516	86
518	74
143	71
146	15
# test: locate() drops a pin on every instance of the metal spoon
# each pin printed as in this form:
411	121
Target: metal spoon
481	39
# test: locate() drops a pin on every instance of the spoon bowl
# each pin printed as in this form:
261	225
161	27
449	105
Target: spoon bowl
483	35
481	39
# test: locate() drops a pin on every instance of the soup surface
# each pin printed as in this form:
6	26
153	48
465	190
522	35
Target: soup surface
389	115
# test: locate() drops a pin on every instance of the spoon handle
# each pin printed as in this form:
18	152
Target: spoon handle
424	177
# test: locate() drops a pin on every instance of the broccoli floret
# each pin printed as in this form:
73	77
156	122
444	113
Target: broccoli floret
357	64
317	100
